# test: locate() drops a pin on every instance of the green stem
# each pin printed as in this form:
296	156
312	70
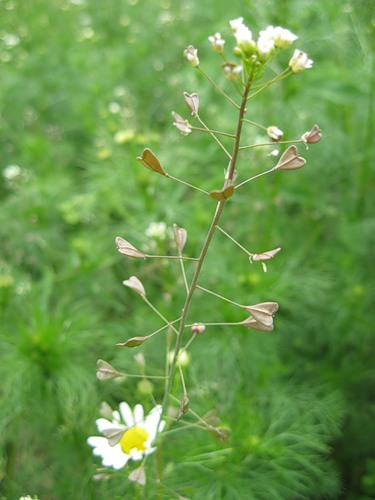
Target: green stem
218	88
194	282
213	136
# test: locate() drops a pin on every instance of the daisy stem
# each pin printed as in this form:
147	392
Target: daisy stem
215	221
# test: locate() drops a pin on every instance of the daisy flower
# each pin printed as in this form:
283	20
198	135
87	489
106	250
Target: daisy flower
137	435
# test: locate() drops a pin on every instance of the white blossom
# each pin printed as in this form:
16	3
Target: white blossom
300	61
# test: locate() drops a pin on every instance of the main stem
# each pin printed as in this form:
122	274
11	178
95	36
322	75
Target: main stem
219	210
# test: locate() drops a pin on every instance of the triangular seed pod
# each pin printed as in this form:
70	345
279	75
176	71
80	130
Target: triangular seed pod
263	312
222	194
104	371
149	160
290	160
114	435
128	249
180	237
270	254
312	136
255	325
181	124
134	283
138	476
192	103
184	406
133	342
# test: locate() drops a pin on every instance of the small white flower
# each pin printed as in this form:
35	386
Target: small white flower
300	61
157	230
265	45
232	71
217	42
243	35
235	24
282	38
136	442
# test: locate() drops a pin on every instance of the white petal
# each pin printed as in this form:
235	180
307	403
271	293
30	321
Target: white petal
152	422
126	414
96	441
103	423
138	414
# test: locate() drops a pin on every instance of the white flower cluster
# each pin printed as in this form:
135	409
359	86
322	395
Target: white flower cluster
248	50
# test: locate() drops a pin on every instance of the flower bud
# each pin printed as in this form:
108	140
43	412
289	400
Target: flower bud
198	328
191	54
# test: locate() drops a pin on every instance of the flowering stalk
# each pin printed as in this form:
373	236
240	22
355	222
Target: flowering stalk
215	221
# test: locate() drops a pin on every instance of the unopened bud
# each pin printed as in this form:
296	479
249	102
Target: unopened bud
198	328
191	54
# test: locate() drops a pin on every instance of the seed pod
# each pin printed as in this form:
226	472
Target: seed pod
149	160
180	237
128	249
192	103
134	283
290	160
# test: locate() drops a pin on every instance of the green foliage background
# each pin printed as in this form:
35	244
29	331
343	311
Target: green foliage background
299	401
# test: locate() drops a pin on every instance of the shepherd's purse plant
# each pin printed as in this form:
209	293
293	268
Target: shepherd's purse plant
132	435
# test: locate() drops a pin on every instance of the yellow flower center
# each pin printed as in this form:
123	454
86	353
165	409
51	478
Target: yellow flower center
135	437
